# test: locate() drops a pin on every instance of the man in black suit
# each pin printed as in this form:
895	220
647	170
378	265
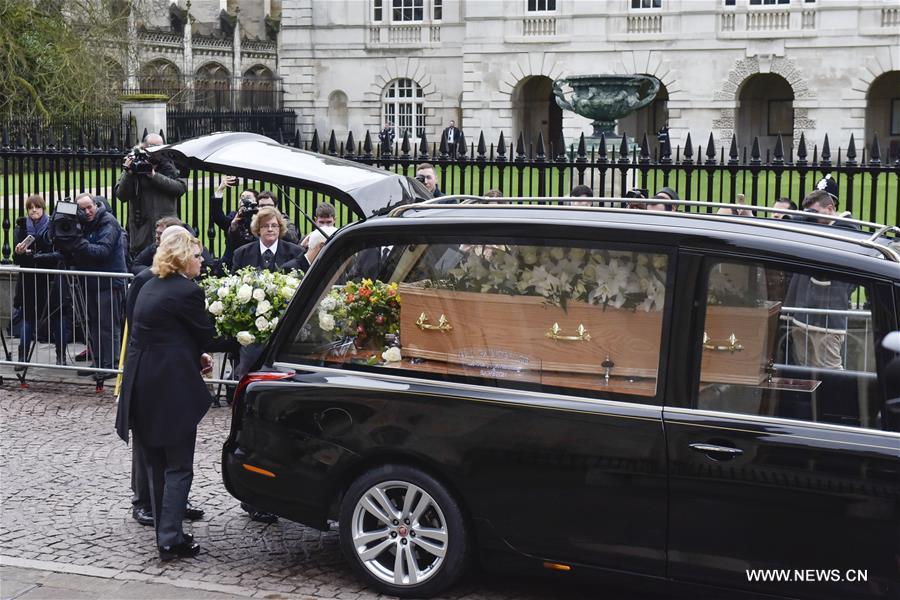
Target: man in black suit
270	252
453	136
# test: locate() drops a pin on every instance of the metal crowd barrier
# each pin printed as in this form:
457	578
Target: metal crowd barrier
66	320
855	335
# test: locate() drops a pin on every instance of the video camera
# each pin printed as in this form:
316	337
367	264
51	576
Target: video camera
420	179
141	162
66	223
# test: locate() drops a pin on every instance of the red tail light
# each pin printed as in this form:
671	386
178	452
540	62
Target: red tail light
257	376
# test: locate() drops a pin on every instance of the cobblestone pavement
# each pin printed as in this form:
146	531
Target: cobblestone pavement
65	498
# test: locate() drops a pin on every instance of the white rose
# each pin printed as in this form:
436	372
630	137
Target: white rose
326	321
244	293
245	338
287	292
273	323
259	294
291	281
223	291
328	303
263	307
392	354
216	308
262	323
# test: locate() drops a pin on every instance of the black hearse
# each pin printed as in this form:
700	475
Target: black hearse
694	400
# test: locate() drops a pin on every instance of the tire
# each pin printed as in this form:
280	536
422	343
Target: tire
415	559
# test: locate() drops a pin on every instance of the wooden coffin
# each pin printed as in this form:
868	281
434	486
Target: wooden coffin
524	333
743	358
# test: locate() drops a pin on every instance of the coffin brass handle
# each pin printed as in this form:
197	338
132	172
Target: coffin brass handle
442	325
733	345
554	334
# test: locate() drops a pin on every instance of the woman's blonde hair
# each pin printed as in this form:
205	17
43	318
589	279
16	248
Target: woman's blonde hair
176	248
264	214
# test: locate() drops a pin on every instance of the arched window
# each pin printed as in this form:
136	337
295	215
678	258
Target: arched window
258	89
161	77
115	76
211	88
404	108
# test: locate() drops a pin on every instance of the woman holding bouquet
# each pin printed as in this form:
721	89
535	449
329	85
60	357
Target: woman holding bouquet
163	396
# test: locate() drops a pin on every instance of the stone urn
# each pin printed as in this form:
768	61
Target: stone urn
605	98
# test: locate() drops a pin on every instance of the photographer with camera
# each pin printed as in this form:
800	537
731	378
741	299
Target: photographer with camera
94	241
235	224
425	176
152	187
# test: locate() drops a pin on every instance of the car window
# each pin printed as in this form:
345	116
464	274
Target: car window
787	344
570	319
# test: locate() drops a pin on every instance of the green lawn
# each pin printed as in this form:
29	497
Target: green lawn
510	179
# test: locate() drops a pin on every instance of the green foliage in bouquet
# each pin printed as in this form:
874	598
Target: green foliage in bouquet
247	304
368	310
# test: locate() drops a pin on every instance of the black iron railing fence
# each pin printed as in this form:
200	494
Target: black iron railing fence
868	187
185	124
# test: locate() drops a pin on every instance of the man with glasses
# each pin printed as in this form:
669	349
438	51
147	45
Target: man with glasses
267	198
271	251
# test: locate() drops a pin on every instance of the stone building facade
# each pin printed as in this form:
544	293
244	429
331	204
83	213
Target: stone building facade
753	68
206	54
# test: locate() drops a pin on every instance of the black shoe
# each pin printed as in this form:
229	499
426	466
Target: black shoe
185	549
60	359
82	373
193	514
81	356
144	516
258	515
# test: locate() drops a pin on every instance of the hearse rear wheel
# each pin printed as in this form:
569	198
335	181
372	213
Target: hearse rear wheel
403	532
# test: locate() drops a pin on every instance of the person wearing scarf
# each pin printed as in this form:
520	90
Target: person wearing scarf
39	295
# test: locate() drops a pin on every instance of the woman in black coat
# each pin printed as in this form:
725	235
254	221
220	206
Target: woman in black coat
163	395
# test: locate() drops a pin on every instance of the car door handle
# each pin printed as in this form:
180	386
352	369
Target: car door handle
719	452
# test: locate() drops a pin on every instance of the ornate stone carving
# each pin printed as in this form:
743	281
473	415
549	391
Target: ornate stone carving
725	120
779	65
802	120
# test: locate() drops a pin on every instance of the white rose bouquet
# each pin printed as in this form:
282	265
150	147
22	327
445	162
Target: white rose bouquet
247	304
618	279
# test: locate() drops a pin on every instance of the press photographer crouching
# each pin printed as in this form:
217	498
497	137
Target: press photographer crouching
40	296
89	238
151	186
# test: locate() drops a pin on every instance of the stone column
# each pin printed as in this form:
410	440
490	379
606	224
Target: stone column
132	64
188	69
236	60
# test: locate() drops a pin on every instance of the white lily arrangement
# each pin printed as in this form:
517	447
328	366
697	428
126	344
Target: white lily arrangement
620	279
248	304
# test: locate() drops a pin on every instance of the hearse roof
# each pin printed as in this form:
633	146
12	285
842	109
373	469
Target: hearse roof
366	190
876	249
